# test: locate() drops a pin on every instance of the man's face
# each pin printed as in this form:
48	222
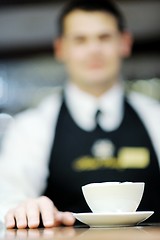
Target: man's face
92	48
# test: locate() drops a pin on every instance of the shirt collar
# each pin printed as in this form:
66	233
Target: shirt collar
83	106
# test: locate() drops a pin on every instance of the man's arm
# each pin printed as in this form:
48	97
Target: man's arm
24	156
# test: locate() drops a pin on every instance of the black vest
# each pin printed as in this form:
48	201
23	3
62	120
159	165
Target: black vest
73	163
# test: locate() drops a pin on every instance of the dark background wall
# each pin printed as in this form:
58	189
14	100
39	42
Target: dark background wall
28	70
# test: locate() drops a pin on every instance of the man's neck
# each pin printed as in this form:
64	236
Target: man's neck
96	90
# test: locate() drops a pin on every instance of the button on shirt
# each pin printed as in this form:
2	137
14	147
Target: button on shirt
83	107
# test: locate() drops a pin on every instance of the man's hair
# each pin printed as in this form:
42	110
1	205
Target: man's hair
108	6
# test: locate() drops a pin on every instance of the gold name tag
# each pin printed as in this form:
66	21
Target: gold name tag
128	157
133	157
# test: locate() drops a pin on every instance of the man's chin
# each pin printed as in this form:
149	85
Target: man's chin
96	81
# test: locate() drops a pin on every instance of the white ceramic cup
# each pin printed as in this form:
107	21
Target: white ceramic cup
113	196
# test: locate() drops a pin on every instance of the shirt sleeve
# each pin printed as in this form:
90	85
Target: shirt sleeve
25	154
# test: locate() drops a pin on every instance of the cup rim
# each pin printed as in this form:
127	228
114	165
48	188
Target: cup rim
98	184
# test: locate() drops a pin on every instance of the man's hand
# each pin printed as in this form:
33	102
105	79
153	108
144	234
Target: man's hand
28	214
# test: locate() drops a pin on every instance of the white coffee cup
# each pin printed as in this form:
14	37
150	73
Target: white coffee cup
113	196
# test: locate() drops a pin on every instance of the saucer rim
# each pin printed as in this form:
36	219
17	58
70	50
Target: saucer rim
113	213
132	220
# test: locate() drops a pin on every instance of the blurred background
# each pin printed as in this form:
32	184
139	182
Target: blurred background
28	69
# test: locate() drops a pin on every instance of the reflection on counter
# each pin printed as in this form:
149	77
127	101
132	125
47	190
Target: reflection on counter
78	233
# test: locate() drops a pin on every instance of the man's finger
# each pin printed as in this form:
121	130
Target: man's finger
33	214
46	208
68	219
20	217
9	220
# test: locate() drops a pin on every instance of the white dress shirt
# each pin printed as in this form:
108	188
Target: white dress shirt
83	107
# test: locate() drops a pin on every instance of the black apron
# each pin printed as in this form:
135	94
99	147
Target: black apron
75	161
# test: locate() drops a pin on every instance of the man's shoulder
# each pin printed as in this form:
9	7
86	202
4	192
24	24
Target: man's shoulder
51	100
47	107
139	100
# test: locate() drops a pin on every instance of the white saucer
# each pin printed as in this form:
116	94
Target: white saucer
112	219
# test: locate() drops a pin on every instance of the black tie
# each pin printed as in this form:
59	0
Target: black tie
98	113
